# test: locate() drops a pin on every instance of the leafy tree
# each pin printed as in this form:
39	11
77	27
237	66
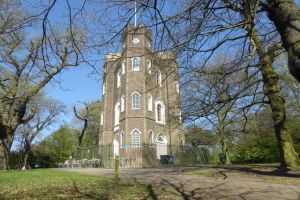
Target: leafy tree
57	147
196	136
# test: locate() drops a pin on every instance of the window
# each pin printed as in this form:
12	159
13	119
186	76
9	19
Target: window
160	111
149	102
123	67
101	119
177	86
117	113
158	78
135	64
122	103
135	138
103	88
135	100
150	138
148	66
119	78
122	139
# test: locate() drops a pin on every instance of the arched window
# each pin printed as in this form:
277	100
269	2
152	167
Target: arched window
103	88
158	78
150	102
117	113
135	100
123	67
135	64
119	78
161	138
135	138
148	66
151	138
122	103
160	111
101	119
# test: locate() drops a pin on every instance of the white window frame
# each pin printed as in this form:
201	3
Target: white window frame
123	67
132	100
117	113
134	68
118	78
150	102
158	77
101	118
163	112
103	88
122	103
148	64
135	144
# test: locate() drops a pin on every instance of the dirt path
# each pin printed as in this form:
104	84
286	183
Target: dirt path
226	184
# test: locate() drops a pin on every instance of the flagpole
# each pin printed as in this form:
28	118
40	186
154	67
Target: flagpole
135	13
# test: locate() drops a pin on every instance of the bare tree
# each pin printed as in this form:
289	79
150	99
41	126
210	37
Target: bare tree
219	94
47	112
26	69
200	29
84	116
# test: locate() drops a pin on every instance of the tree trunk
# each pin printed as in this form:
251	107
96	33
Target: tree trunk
223	137
288	155
286	17
5	145
225	150
27	149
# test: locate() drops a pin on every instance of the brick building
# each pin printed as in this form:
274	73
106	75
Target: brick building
141	101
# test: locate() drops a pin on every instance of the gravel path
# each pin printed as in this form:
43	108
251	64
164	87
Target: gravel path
187	185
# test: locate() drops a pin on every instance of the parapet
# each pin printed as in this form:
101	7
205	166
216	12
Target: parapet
112	57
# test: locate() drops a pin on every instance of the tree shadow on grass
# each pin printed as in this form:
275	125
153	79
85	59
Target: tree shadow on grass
90	194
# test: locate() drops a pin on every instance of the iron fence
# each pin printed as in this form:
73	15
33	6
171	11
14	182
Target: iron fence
143	156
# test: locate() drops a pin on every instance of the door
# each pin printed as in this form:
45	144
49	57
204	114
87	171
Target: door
161	146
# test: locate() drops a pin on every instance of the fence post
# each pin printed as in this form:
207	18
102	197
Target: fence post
117	168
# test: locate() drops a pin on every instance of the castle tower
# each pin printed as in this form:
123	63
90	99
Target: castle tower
141	100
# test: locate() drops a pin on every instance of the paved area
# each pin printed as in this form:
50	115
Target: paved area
227	184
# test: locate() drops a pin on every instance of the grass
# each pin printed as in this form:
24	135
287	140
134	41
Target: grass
51	184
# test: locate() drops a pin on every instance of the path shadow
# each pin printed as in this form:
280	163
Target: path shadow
281	172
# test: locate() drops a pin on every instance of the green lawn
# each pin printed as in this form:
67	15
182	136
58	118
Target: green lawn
51	184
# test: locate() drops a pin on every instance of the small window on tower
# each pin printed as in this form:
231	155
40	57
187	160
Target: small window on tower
119	78
149	66
135	100
123	67
158	78
135	64
122	103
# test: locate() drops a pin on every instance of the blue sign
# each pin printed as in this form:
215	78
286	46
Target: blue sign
126	146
